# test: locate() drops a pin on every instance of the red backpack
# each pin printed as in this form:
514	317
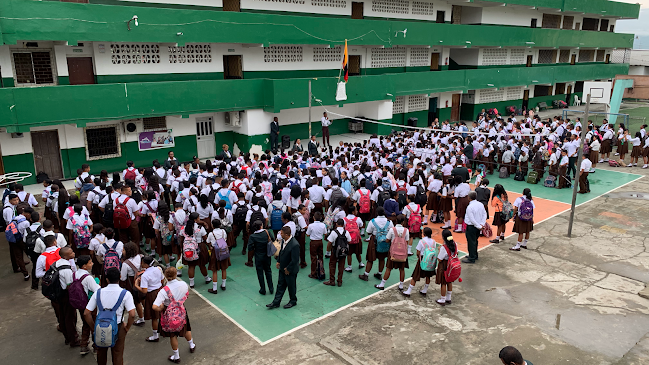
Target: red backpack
364	202
121	216
454	267
352	227
130	175
414	222
235	188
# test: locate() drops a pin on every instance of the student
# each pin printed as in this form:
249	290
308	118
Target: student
258	243
149	284
523	219
214	239
338	236
130	269
497	201
378	247
288	265
446	204
67	314
636	152
584	169
132	232
433	203
353	225
400	233
90	286
148	210
448	247
172	295
108	297
316	232
275	212
300	232
80	228
164	230
34	232
413	213
21	221
425	243
511	356
484	194
391	207
363	197
563	167
461	194
193	231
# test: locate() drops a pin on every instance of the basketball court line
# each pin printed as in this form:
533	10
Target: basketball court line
360	300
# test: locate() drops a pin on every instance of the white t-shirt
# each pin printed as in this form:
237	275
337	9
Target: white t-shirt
423	242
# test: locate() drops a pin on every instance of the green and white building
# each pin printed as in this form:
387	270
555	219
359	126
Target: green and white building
83	81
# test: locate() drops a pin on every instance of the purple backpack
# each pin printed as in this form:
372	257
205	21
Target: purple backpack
78	296
111	257
526	210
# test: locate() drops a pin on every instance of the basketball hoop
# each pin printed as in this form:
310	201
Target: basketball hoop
13	177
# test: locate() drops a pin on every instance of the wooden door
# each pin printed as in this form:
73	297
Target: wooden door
47	153
573	59
354	65
440	16
455	107
456	14
357	10
232	67
568	94
80	71
434	61
529	61
608	58
232	5
526	98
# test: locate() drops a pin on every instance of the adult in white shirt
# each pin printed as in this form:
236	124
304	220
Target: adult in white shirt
325	129
176	290
149	284
475	218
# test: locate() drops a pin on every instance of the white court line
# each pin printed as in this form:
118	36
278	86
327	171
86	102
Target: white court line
263	343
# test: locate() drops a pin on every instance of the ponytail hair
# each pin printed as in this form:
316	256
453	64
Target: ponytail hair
189	228
528	193
450	243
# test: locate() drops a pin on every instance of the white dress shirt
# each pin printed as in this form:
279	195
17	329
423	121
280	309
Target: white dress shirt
475	214
109	296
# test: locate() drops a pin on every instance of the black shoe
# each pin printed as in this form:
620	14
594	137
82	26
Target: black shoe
378	276
212	291
222	287
262	292
290	305
468	261
363	277
270	290
379	287
272	306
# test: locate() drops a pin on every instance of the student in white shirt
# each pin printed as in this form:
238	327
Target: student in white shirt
195	228
316	232
130	268
213	239
90	286
418	272
523	228
179	292
149	284
336	263
402	231
379	223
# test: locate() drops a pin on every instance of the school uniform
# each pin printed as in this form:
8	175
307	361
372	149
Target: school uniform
148	210
409	209
215	264
151	280
584	185
89	285
563	168
130	268
316	232
203	253
300	236
133	231
432	203
401	231
372	229
179	291
67	314
337	262
17	248
521	226
82	220
446	200
418	273
109	296
461	199
355	248
35	227
442	264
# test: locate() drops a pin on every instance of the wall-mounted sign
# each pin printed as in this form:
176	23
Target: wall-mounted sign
155	139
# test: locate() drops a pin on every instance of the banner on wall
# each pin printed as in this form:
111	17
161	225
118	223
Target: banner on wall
156	139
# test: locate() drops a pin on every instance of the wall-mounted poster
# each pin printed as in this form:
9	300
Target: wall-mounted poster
156	139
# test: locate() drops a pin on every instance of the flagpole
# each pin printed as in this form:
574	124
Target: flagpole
309	109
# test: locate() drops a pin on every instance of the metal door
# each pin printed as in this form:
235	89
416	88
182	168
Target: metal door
47	153
205	138
80	70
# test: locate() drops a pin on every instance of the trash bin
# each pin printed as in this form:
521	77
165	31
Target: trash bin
412	122
355	125
286	142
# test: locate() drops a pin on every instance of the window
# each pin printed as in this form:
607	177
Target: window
33	68
232	67
567	21
357	10
533	23
600	55
542	90
590	24
232	5
551	21
559	88
564	56
547	56
155	124
102	142
603	25
586	55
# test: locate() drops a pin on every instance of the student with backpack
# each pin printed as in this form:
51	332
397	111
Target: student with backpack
237	217
33	233
82	288
275	211
363	197
109	330
523	219
170	302
220	257
109	253
338	244
80	228
130	172
502	207
378	247
335	193
353	226
125	209
316	232
447	252
194	250
56	280
164	230
149	284
132	270
426	263
414	217
391	207
398	255
15	234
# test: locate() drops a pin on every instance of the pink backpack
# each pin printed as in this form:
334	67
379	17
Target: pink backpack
414	222
364	202
174	317
399	247
352	227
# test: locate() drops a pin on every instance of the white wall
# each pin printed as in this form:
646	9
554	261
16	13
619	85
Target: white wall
510	15
338	7
465	56
471	15
639	70
214	3
63	52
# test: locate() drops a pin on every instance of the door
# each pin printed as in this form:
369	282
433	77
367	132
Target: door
205	138
47	153
434	61
80	70
232	67
2	166
354	65
529	61
568	94
432	112
573	59
440	16
455	108
526	98
456	14
357	10
608	58
231	5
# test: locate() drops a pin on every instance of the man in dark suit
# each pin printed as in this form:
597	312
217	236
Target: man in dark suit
288	263
226	154
258	242
313	147
274	135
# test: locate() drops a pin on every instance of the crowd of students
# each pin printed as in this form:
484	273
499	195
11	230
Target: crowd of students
126	234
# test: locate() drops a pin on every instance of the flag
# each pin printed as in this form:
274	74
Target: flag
345	65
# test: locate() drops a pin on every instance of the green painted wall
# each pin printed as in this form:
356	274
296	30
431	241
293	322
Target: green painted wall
402	119
470	111
50	20
112	79
444	114
7	82
21	163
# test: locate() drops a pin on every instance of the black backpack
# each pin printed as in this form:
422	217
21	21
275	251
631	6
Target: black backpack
421	199
519	175
256	199
257	215
341	245
212	195
401	198
108	212
240	215
384	195
30	240
51	285
369	183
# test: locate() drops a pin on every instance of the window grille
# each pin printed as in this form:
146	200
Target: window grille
419	56
564	56
547	56
586	55
283	54
514	93
494	56
391	6
132	53
422	8
600	55
33	67
551	21
154	124
191	53
491	96
398	107
388	57
568	21
102	142
517	57
325	54
329	3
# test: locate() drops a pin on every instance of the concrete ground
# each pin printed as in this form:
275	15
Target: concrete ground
563	301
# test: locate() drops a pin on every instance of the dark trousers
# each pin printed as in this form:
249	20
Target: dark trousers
17	261
340	263
571	166
67	319
283	282
85	330
274	141
315	251
237	229
263	268
584	187
325	136
301	239
35	280
131	233
116	351
472	234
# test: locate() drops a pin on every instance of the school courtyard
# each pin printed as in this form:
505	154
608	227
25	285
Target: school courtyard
563	301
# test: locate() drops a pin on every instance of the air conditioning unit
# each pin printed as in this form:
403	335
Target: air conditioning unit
131	125
17	135
233	119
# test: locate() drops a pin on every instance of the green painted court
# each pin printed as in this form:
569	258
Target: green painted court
243	304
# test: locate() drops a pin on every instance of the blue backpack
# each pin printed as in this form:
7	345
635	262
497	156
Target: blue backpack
276	218
225	197
382	244
386	184
12	232
106	327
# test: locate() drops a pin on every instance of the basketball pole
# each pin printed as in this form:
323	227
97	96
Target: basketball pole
575	184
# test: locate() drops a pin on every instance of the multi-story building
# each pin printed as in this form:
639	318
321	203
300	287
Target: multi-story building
108	81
